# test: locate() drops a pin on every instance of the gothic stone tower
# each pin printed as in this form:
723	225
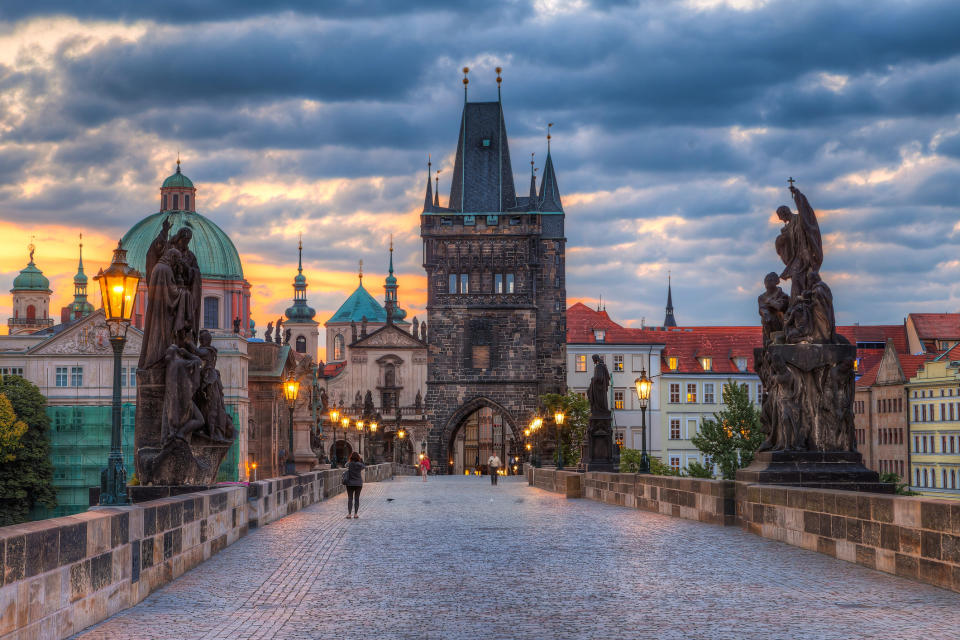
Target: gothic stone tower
496	296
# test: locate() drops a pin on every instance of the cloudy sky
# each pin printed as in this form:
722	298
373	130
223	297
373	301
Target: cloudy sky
677	125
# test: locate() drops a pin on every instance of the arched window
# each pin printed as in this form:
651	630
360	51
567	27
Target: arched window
211	311
164	202
301	344
917	481
943	478
953	479
186	202
389	376
176	201
31	312
338	347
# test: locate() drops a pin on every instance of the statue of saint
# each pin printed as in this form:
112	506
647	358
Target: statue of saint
181	416
278	331
268	334
799	244
772	304
599	386
286	336
236	325
210	396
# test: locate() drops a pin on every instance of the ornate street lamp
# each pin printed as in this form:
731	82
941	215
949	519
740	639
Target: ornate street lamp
535	423
643	385
345	423
334	421
361	436
401	434
118	289
559	417
291	389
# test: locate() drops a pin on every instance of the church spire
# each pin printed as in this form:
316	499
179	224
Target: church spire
428	198
390	288
436	192
300	311
669	320
549	191
533	186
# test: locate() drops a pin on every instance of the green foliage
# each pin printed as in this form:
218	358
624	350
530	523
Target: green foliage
27	480
733	436
576	410
697	470
630	463
902	488
11	430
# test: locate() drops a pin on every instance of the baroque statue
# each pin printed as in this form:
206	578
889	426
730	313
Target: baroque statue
807	370
268	333
599	452
183	430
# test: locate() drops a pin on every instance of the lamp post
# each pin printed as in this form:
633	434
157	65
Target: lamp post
643	385
253	466
372	426
401	434
291	389
559	417
118	288
535	425
334	420
360	437
345	423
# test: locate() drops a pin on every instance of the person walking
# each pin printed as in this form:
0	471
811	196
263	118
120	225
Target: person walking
493	464
353	479
424	467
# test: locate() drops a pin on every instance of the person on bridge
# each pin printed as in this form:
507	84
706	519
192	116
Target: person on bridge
354	484
424	466
493	464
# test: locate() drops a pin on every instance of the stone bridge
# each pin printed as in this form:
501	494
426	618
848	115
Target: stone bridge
572	556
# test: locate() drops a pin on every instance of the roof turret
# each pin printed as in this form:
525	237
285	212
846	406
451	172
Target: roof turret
80	307
31	278
669	320
300	311
177	180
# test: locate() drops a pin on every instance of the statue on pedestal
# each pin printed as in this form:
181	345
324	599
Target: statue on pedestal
807	371
182	431
600	430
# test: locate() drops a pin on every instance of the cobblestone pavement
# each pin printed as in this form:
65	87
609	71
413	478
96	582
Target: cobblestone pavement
457	558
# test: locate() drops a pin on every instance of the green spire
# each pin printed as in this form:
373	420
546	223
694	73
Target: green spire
80	307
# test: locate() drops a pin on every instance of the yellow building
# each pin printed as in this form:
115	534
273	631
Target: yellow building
934	426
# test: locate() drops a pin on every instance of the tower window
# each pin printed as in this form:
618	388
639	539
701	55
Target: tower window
164	202
186	202
211	311
464	283
453	283
338	347
498	283
31	312
509	283
301	344
176	201
485	143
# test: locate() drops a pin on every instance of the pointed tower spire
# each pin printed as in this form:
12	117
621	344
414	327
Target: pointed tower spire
436	192
533	186
391	254
300	312
669	320
549	191
390	287
428	198
80	307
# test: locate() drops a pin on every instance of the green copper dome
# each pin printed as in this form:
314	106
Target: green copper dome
177	180
216	255
31	279
360	304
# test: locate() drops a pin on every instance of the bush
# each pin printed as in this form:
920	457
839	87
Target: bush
630	463
28	479
697	470
902	488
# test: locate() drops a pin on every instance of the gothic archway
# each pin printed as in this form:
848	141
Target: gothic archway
479	428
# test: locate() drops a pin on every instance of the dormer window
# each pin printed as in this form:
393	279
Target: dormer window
672	363
599	335
707	364
741	363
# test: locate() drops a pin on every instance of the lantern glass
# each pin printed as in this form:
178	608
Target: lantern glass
334	415
559	417
373	426
118	287
643	385
291	389
346	423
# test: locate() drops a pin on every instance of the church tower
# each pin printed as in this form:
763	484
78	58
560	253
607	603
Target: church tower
31	300
304	330
80	307
668	319
496	296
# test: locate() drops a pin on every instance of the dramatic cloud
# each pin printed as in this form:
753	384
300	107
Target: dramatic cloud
677	126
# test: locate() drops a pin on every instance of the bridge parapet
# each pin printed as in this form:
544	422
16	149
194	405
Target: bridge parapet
910	536
61	575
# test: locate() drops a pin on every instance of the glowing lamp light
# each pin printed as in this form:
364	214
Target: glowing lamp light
466	472
118	287
643	385
559	417
422	456
334	415
529	446
345	423
373	426
291	389
535	423
359	425
401	434
526	432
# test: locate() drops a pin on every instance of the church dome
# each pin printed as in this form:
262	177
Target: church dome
178	179
300	312
216	255
31	279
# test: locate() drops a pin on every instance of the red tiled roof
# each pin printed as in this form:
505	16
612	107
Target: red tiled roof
943	326
333	369
869	375
912	363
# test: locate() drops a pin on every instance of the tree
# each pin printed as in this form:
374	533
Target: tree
27	480
734	435
696	470
11	430
576	410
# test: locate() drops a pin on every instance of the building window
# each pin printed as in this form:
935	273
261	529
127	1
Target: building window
123	376
61	377
617	400
301	344
509	278
741	363
672	363
675	392
674	428
498	283
12	371
691	392
76	376
618	363
133	376
338	347
706	363
164	202
211	312
186	202
176	202
708	393
675	463
453	283
31	312
917	481
464	283
581	362
691	427
481	356
599	335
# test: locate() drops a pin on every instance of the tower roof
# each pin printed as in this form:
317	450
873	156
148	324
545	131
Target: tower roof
300	311
549	191
359	304
669	320
178	179
482	177
31	278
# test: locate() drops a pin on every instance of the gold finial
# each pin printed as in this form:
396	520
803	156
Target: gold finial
361	272
466	70
391	243
31	248
300	243
499	79
550	124
531	160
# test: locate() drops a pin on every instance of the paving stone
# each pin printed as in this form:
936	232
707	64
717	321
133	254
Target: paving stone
457	558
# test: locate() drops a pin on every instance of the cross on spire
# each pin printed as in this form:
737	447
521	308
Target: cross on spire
791	180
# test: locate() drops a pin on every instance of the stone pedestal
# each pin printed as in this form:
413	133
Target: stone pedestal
817	469
304	459
600	443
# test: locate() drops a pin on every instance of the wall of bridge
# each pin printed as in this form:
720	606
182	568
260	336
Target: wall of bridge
61	575
914	537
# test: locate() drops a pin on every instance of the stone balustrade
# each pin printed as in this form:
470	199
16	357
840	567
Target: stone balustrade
909	536
61	575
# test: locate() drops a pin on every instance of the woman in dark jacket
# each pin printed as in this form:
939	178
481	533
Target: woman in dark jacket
354	483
